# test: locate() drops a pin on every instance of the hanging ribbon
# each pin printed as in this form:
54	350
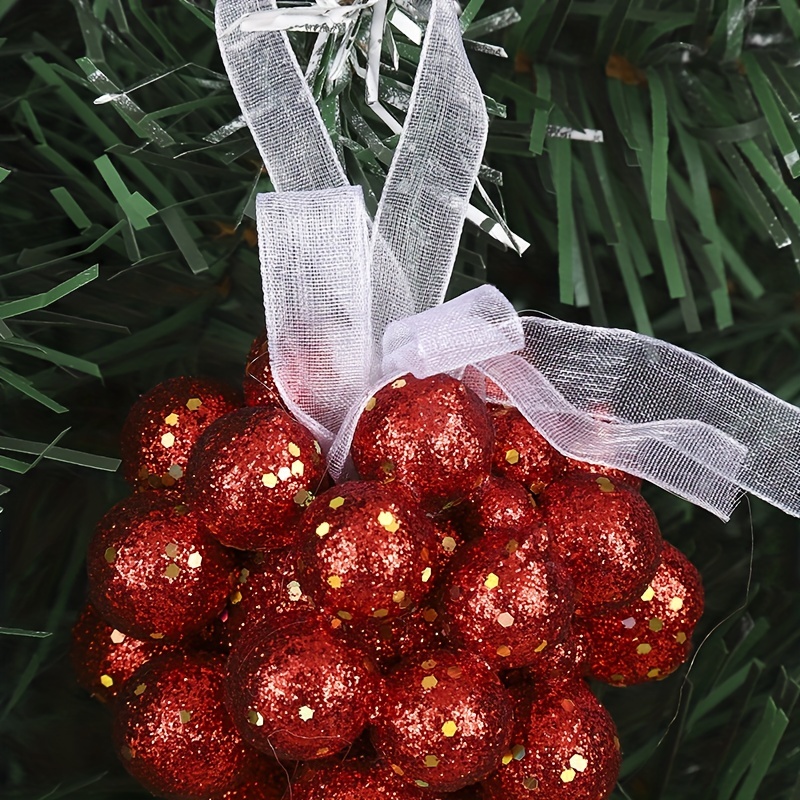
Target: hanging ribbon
352	303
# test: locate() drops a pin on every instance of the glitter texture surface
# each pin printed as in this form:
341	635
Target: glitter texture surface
266	594
259	386
103	657
154	570
568	658
297	693
251	475
163	427
367	550
432	435
359	781
651	637
564	747
521	453
606	535
173	732
614	475
420	698
504	601
264	778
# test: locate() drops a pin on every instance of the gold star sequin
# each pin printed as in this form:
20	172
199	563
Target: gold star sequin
195	560
397	770
305	713
172	571
399	596
421	784
429	664
269	479
680	637
345	615
449	544
568	705
171	550
654	673
298	469
676	604
426	574
293	449
617	678
140	689
381	613
430	615
531	784
492	581
429	682
649	594
118	637
505	619
643	649
370	404
431	761
168	439
303	497
568	775
156	635
236	597
507	758
399	383
503	651
110	555
193	403
449	728
518	752
512	456
578	763
454	672
171	419
655	624
605	484
284	473
334	581
323	529
107	681
185	715
512	546
541	646
294	590
337	502
254	718
388	521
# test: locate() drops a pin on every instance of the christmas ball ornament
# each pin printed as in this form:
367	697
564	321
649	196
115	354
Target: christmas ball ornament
263	778
443	721
568	658
251	476
432	435
564	746
505	601
266	594
297	693
154	571
506	504
172	729
367	551
103	657
607	537
357	781
163	427
259	386
596	471
651	637
521	453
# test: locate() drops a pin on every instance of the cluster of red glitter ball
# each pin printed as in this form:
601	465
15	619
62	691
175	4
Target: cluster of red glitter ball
422	632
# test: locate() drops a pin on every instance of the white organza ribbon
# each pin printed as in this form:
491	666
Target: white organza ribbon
351	303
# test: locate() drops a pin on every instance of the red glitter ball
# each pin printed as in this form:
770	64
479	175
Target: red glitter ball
368	552
297	693
359	781
259	385
154	570
388	641
263	778
251	475
568	658
501	503
649	638
521	453
606	535
163	427
444	721
103	657
433	435
564	747
266	594
614	475
173	731
505	602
